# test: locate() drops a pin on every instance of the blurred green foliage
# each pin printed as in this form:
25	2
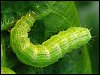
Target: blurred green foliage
89	17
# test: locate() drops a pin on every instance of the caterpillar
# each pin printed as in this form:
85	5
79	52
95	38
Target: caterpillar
49	51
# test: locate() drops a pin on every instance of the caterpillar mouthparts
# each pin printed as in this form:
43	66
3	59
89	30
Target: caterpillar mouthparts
49	51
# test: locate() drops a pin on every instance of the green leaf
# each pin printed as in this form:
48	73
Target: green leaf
3	55
89	17
5	70
8	58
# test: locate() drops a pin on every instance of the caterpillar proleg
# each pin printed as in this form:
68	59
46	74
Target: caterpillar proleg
49	51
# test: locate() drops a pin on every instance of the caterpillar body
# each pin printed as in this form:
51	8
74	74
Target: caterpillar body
49	51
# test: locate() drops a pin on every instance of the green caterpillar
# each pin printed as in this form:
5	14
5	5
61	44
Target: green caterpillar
49	51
